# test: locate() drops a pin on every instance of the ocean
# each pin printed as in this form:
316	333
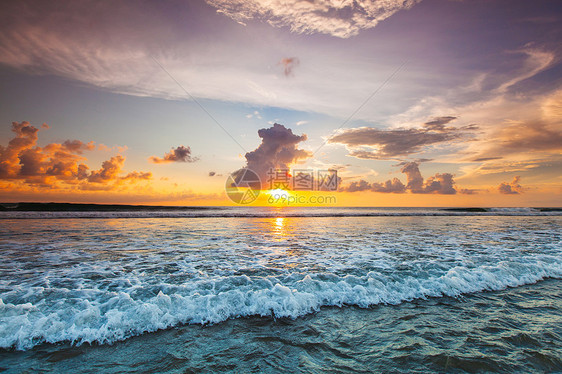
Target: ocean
307	290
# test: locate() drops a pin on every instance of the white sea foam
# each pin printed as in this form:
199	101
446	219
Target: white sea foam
104	317
101	281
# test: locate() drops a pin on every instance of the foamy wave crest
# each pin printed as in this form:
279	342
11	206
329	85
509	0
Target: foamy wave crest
100	316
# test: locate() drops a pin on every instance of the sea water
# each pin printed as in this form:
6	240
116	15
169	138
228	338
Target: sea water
292	290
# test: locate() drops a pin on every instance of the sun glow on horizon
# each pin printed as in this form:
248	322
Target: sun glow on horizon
279	193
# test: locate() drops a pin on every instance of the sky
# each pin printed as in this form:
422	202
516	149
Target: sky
412	102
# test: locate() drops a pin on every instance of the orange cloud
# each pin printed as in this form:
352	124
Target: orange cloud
109	170
60	165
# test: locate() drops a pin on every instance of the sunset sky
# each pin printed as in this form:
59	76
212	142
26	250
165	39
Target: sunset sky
413	102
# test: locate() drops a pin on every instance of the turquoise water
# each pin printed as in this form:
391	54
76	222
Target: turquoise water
263	292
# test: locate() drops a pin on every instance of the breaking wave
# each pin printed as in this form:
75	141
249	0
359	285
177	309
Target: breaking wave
112	313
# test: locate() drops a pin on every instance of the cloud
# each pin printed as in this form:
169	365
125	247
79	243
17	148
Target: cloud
515	123
118	148
47	38
337	18
362	185
26	138
390	186
512	188
62	40
77	146
137	176
438	184
278	150
520	138
109	170
528	137
442	184
438	124
387	144
414	177
536	62
289	64
256	114
179	154
540	171
482	159
57	164
394	186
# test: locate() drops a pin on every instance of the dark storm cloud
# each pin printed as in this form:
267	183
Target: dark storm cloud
278	149
179	154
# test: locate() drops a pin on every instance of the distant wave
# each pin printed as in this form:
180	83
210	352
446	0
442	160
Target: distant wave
102	316
265	212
